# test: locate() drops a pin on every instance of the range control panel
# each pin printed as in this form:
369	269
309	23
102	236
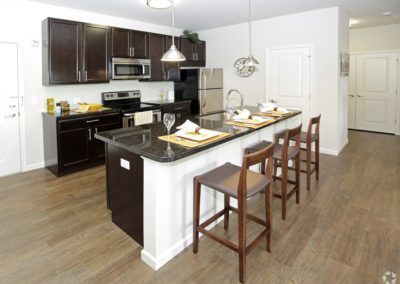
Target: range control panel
114	96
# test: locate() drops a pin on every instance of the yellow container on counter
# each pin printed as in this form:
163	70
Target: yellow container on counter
50	104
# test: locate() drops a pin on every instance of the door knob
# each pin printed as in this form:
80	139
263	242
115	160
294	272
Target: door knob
351	96
360	96
10	115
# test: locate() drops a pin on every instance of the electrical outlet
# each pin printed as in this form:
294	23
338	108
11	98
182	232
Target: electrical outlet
76	100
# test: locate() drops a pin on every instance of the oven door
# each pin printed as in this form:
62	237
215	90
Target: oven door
128	119
130	68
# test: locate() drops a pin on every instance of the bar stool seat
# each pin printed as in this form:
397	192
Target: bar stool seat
225	179
303	137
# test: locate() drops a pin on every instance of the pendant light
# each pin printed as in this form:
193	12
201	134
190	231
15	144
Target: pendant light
251	61
159	4
173	54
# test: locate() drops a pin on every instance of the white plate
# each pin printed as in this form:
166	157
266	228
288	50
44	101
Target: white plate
206	134
251	121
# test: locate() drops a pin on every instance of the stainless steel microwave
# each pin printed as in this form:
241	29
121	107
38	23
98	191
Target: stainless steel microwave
130	68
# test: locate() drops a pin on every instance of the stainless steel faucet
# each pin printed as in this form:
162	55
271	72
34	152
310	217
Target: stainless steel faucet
241	96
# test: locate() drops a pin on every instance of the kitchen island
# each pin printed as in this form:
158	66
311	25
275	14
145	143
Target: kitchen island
150	181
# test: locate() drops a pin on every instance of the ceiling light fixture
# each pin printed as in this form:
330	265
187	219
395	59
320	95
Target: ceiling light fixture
387	13
159	4
251	61
173	54
352	22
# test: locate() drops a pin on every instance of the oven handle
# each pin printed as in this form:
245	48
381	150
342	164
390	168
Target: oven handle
143	70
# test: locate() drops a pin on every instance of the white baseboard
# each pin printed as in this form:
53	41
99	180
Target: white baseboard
31	167
157	263
334	152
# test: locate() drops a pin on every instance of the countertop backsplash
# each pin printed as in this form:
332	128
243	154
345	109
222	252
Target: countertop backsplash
91	93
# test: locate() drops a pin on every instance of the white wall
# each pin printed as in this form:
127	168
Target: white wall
375	38
320	28
343	116
21	22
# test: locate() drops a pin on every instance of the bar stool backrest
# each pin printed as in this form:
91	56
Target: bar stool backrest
288	134
314	123
253	159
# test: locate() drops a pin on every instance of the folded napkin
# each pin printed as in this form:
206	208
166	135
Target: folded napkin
190	126
243	115
259	119
267	107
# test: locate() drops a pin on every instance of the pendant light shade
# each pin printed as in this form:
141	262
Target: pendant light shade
173	54
159	4
251	61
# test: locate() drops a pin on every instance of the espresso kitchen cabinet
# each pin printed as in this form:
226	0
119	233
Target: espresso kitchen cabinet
129	43
156	51
69	142
181	109
195	53
172	68
74	52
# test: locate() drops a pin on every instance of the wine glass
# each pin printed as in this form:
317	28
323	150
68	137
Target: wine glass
169	120
230	110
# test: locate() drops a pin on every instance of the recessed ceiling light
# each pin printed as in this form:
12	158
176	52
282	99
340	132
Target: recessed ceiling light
159	4
387	13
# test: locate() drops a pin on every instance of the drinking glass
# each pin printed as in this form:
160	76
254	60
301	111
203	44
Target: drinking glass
169	120
230	110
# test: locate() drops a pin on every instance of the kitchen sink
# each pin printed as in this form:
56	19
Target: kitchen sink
219	116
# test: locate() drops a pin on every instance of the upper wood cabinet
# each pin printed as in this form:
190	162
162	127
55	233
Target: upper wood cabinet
195	53
74	52
128	43
156	51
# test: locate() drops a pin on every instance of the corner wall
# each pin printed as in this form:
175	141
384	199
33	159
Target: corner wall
318	28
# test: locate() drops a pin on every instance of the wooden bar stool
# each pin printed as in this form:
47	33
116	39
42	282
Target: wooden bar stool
283	153
309	137
240	183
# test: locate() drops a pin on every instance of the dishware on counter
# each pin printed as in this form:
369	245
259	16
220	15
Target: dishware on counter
58	108
169	120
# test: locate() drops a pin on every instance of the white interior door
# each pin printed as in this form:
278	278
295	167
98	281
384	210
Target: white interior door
352	91
289	78
10	161
376	92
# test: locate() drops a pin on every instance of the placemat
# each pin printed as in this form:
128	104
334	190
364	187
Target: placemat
273	114
89	111
190	143
248	125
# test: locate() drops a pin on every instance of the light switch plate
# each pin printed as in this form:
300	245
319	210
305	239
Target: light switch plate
125	164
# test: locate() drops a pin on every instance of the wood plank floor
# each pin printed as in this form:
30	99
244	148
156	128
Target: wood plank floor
346	230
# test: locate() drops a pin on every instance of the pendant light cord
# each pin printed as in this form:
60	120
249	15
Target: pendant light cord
173	22
250	26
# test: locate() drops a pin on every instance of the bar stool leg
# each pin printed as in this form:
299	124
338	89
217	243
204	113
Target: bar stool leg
317	159
284	187
268	215
226	215
297	161
308	158
275	162
196	213
242	237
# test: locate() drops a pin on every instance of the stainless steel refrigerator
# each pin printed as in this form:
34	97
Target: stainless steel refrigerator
204	87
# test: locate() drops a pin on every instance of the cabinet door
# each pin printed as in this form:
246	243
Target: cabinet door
201	51
156	51
64	51
181	109
74	149
98	149
96	53
140	44
120	42
187	48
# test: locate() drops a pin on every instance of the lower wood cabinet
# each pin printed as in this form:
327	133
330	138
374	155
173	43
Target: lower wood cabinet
69	143
181	109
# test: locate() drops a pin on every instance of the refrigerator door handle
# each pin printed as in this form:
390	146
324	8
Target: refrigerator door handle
204	99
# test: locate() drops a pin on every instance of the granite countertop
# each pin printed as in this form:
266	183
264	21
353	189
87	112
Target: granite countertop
71	114
165	102
143	140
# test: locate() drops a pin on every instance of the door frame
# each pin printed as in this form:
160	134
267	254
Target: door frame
397	51
312	108
21	105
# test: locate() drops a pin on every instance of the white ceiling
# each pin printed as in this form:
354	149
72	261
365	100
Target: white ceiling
199	15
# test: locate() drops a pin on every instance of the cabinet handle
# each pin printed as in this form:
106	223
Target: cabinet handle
130	51
85	75
95	130
194	56
178	108
90	134
351	96
197	56
93	120
360	96
79	75
133	51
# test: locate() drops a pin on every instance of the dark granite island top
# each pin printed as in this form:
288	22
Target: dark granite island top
143	140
